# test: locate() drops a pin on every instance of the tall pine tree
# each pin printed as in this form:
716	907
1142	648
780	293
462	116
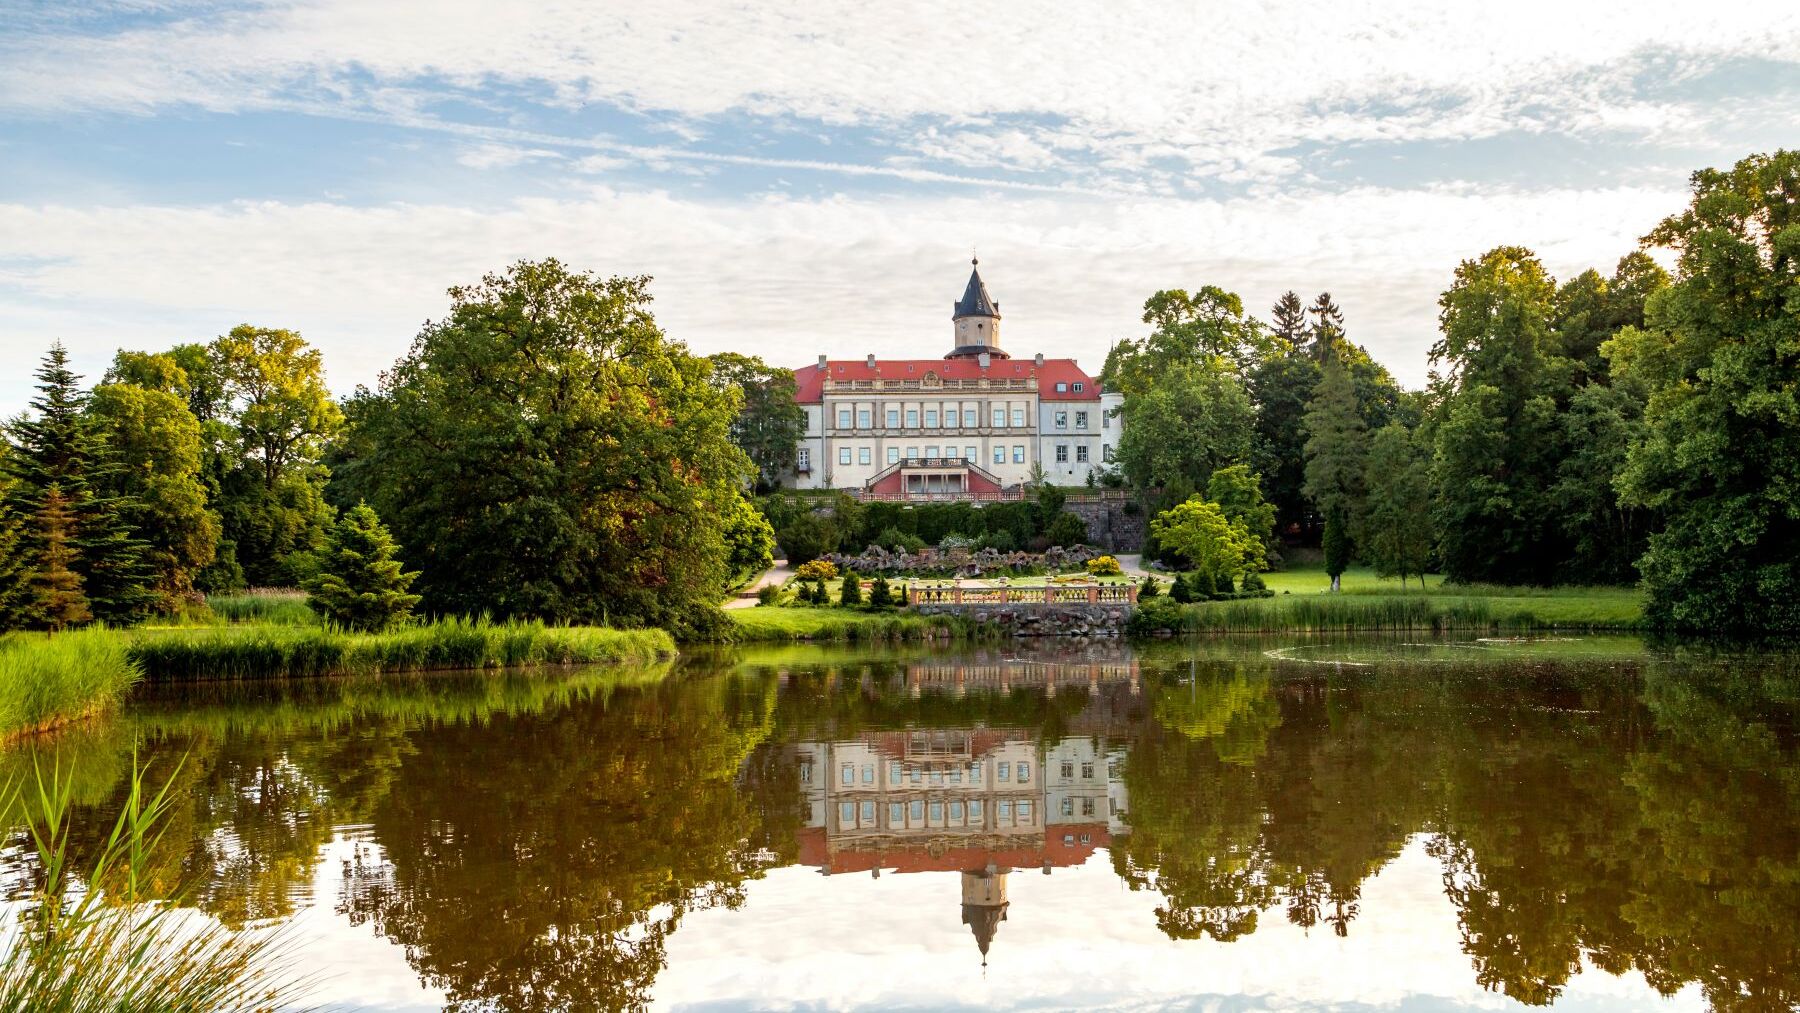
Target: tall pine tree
1336	449
56	448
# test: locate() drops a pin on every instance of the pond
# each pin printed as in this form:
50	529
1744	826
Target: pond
1587	823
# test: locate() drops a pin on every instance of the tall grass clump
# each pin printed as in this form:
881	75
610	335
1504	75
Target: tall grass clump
274	608
1316	614
94	941
46	680
290	652
775	623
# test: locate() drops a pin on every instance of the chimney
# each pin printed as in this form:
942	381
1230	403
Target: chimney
984	358
1040	360
871	361
821	364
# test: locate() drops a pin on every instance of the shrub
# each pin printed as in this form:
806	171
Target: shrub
1104	566
1147	589
880	595
954	541
1180	590
768	594
1254	582
1000	541
817	570
900	541
850	591
1066	530
1200	585
1223	587
1158	615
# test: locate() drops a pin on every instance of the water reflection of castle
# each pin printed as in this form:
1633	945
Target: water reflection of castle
980	802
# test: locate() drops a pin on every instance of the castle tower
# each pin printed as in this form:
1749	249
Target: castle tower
984	904
976	320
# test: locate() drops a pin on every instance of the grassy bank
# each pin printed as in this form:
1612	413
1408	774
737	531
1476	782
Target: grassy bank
1392	612
288	652
778	623
47	680
273	606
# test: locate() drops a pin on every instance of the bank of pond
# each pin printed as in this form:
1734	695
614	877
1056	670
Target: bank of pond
1565	818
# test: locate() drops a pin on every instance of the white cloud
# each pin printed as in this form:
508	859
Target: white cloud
783	278
502	156
1220	85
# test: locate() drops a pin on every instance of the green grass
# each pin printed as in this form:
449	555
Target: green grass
287	652
48	680
776	622
274	607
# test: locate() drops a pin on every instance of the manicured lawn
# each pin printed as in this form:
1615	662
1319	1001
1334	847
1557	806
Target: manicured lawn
778	622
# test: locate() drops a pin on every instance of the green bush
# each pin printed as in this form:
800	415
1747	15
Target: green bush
768	594
850	591
880	595
1200	585
1066	530
1254	582
1156	615
1147	589
1180	590
900	541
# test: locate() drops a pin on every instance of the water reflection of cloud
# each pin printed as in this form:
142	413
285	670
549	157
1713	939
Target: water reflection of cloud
1078	939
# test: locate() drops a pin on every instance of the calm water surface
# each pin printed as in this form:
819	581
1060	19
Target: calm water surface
1316	824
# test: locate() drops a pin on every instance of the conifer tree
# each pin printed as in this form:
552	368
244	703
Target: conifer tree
56	588
850	590
57	447
1327	327
360	585
1289	319
1336	452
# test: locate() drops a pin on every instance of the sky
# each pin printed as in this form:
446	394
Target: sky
811	178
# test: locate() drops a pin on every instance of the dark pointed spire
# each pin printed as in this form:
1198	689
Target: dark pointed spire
975	301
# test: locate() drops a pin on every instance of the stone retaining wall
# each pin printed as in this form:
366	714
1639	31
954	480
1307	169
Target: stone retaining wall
1108	524
1022	620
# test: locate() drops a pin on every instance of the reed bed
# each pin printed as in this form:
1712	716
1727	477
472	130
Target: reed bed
778	623
47	680
275	607
1369	613
296	652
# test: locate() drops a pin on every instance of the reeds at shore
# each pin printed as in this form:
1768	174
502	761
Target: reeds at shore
291	652
46	680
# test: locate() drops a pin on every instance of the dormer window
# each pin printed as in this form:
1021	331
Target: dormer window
1077	387
1062	388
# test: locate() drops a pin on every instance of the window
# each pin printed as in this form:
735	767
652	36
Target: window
868	813
1081	420
931	418
999	417
803	459
1024	771
1018	454
975	810
1081	453
937	811
1062	453
1062	420
869	775
1112	806
1003	810
1062	388
1068	807
912	453
1024	810
1087	807
956	812
1018	416
862	418
912	418
917	776
931	451
1106	420
969	417
969	454
805	771
1005	771
1076	386
843	418
893	418
950	453
915	810
955	775
895	774
1106	453
843	455
1087	772
893	455
999	455
975	773
846	814
937	776
896	814
1068	769
862	455
849	774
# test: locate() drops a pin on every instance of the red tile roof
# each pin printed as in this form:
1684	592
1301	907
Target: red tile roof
811	379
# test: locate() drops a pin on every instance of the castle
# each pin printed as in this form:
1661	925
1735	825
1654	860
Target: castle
974	425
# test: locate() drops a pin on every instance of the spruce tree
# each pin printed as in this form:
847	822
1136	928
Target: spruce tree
58	602
850	590
56	446
1289	319
360	585
1336	446
1327	328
